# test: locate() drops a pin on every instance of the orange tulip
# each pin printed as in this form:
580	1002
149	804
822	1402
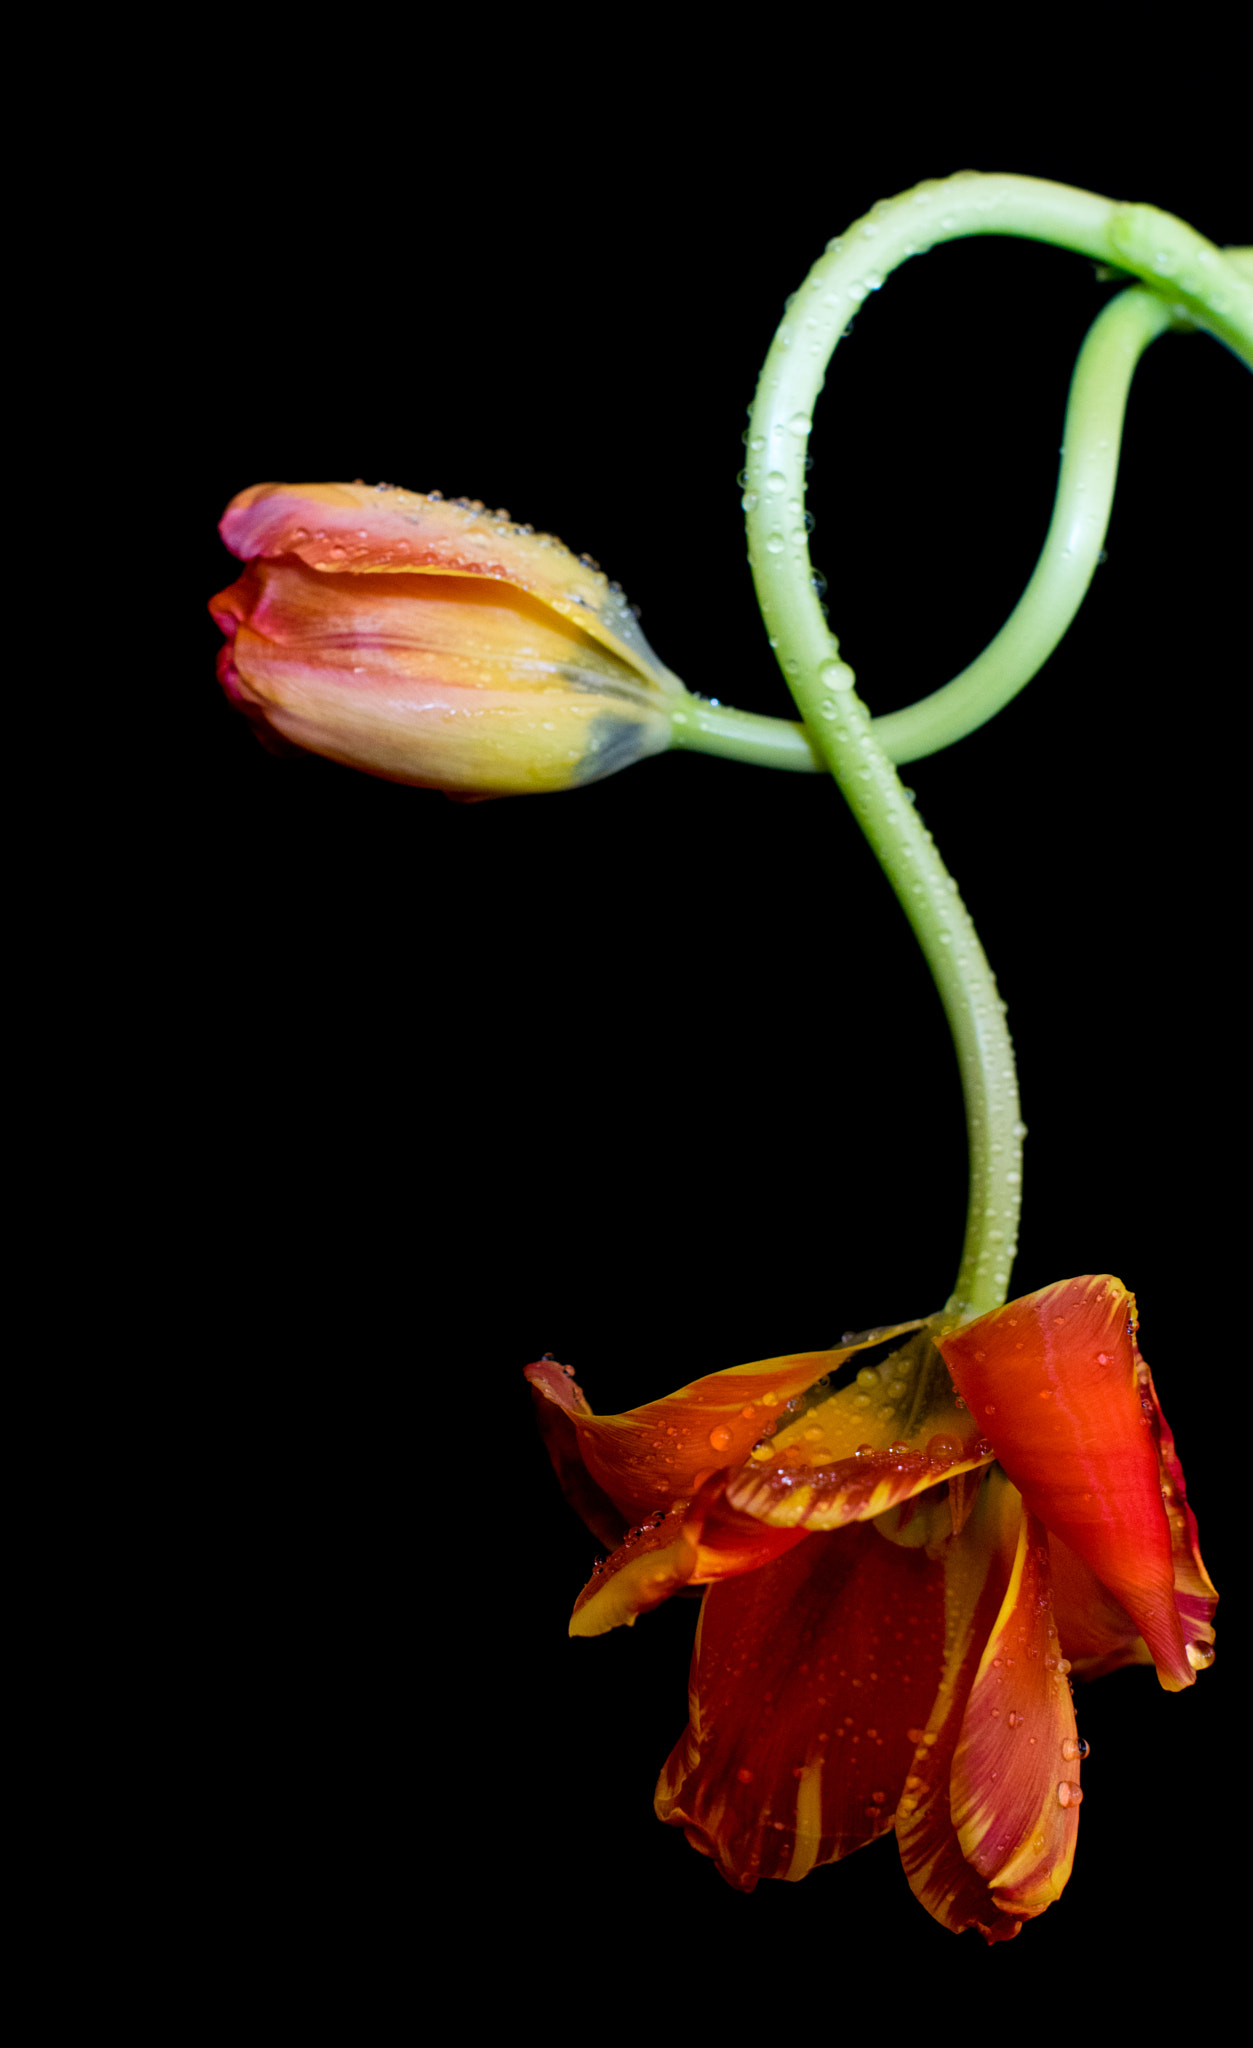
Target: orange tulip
901	1575
433	643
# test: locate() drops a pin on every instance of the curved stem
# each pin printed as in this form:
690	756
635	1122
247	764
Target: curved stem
703	725
1174	260
1095	410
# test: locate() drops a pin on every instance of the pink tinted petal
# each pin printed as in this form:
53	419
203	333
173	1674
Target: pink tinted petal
360	530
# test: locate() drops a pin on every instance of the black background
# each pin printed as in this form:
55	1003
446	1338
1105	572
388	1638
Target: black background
651	1075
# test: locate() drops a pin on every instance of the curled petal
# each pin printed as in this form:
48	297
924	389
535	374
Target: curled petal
1054	1381
557	1401
806	1676
1014	1787
1195	1597
654	1562
693	1544
650	1456
356	529
896	1431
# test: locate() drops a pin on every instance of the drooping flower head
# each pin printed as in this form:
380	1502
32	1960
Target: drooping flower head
901	1574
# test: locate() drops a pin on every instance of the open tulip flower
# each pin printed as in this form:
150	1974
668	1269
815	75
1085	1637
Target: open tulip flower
901	1573
433	643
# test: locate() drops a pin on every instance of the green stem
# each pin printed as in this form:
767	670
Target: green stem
703	725
1095	409
1173	259
1092	437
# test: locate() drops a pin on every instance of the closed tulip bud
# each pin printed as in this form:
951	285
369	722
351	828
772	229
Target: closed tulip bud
433	642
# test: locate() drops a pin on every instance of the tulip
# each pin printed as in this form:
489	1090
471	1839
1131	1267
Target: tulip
909	1568
433	643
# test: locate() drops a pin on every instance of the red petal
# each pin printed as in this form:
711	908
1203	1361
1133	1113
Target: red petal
1195	1597
976	1569
662	1452
1014	1787
653	1562
806	1678
557	1402
1097	1634
694	1544
1052	1380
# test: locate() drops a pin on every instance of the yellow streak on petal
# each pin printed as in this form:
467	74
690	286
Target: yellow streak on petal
641	1582
808	1822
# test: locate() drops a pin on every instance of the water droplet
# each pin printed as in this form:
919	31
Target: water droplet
745	1777
799	424
720	1439
1068	1795
774	546
1200	1656
1074	1750
776	483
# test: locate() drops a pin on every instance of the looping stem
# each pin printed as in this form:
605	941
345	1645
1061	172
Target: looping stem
1198	286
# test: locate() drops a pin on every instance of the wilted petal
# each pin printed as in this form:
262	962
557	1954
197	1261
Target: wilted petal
1014	1785
806	1677
650	1456
897	1430
976	1572
1053	1381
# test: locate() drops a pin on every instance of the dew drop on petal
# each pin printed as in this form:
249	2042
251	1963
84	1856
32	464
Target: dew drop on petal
720	1439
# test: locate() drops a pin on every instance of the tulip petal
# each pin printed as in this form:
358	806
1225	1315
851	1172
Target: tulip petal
806	1676
362	530
433	680
693	1544
654	1562
557	1401
651	1456
1195	1596
1096	1632
1053	1379
1014	1786
976	1570
896	1431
